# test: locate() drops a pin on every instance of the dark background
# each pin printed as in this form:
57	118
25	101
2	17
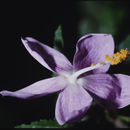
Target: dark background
18	69
40	20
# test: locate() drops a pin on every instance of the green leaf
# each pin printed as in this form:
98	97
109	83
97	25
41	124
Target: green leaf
58	39
54	74
58	42
125	118
42	124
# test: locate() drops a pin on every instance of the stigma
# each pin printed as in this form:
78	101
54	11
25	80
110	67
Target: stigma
118	57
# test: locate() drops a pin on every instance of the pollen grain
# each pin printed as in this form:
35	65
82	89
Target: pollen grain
92	64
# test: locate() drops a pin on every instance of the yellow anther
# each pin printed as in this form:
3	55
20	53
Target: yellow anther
101	63
116	54
118	57
108	58
92	64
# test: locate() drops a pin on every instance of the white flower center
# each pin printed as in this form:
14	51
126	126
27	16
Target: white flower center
73	78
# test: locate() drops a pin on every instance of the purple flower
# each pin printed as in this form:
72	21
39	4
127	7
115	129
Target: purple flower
81	83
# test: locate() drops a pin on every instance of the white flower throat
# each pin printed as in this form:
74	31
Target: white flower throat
73	78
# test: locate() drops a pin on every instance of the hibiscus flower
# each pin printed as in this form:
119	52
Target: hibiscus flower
81	82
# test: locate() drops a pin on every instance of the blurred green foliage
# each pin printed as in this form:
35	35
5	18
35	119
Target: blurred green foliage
99	17
124	118
42	124
125	44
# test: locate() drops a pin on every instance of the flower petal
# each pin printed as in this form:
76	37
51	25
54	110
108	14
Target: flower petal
47	56
38	89
111	91
92	48
124	99
73	102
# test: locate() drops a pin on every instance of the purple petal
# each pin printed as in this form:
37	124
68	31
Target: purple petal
72	104
92	48
111	91
124	99
38	89
47	56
